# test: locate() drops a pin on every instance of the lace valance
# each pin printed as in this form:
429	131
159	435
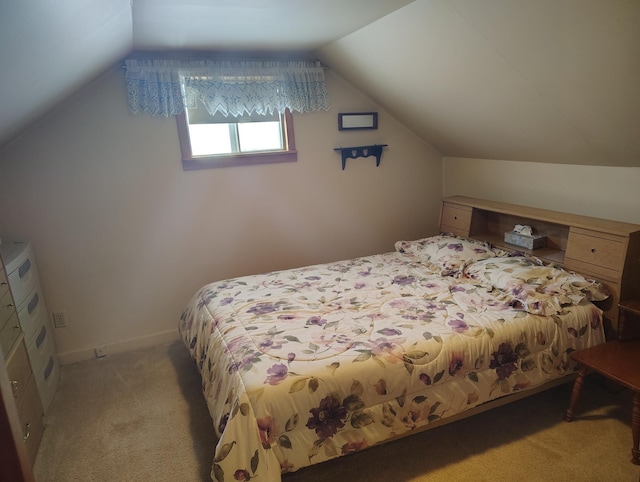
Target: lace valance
231	87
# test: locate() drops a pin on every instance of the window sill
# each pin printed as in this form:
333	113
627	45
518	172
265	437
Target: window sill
238	160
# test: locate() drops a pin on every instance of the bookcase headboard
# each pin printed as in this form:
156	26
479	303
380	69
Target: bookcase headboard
606	250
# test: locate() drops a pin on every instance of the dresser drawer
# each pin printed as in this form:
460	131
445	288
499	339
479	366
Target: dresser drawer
9	333
4	283
41	349
31	417
24	277
19	372
7	308
603	253
32	313
455	219
47	381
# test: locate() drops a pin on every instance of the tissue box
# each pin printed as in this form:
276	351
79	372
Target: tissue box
533	241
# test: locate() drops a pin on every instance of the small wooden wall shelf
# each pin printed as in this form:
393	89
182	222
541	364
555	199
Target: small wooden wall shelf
360	151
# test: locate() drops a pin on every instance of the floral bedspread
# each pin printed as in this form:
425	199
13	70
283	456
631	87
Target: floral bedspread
304	365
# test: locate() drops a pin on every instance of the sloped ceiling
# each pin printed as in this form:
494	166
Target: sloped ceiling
545	81
301	25
51	48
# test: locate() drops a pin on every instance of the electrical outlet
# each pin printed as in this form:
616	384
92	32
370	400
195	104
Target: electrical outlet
100	351
58	319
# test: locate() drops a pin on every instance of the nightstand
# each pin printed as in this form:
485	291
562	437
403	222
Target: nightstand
629	320
618	361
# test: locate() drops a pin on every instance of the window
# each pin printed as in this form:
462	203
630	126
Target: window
218	141
164	86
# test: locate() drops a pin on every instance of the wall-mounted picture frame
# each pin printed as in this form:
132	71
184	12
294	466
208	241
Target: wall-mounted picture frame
357	120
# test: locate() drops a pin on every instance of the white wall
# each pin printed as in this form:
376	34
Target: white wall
123	237
598	191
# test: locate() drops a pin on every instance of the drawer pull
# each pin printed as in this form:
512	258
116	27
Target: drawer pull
24	268
33	303
27	433
10	305
593	250
14	385
4	283
455	218
49	369
41	336
17	326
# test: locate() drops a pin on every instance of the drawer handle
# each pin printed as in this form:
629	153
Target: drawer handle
41	336
24	268
14	385
593	250
4	283
33	303
49	369
10	305
28	432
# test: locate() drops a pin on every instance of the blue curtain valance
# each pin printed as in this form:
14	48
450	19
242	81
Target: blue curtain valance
231	87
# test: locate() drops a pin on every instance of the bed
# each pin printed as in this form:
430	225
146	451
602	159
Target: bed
305	365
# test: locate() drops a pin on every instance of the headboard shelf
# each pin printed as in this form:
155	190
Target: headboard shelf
599	248
491	226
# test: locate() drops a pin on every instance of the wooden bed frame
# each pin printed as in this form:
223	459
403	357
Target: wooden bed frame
606	250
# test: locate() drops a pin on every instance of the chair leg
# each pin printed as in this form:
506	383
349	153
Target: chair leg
575	393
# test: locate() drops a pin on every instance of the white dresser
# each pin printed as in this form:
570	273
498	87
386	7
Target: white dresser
33	316
23	388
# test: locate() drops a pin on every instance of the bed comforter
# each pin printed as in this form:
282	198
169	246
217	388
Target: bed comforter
304	365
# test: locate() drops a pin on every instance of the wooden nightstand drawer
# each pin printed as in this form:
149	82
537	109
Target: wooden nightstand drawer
455	219
604	252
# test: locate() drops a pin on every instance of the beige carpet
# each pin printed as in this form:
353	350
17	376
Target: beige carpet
141	417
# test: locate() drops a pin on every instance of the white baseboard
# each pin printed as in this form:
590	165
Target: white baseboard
119	347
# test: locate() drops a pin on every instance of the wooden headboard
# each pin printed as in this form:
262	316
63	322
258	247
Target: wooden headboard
606	250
